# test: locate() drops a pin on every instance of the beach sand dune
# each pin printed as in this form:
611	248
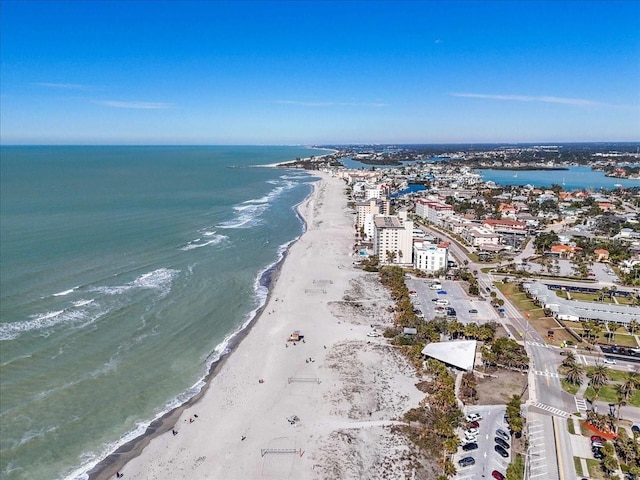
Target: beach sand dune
327	406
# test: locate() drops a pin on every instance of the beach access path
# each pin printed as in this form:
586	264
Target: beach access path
325	406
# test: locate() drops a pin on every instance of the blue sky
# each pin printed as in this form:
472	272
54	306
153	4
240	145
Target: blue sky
214	72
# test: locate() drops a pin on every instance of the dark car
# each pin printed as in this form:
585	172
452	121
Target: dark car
473	425
597	438
502	443
497	475
488	289
597	454
564	352
473	310
501	451
466	461
636	429
502	434
467	447
451	312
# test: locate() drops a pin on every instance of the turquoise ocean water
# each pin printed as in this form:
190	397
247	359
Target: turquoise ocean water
124	273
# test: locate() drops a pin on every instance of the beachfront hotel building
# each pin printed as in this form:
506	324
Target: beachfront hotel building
430	257
373	206
433	211
393	235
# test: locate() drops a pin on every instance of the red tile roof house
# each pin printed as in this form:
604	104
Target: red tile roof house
601	254
565	251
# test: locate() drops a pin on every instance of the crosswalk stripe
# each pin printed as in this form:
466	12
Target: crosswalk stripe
581	404
550	409
546	374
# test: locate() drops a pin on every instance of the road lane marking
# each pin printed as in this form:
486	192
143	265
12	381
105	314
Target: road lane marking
558	449
548	408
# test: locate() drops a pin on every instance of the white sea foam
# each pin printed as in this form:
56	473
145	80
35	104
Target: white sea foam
82	303
159	279
249	212
81	313
43	321
212	239
65	292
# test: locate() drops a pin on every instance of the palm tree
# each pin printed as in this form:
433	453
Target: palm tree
633	326
569	359
630	384
455	328
599	378
574	373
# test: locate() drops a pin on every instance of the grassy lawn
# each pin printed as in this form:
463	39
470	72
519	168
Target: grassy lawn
625	300
624	340
571	388
614	375
577	463
536	315
595	471
571	428
608	394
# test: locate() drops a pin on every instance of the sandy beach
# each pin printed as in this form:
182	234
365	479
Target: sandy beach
327	403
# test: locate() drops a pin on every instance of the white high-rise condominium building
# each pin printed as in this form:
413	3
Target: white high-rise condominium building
430	257
393	239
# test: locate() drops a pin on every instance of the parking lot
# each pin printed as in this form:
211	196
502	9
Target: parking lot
486	458
456	297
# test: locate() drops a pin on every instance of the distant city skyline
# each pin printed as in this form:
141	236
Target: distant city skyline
325	72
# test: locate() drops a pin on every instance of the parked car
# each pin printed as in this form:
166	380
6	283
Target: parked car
636	429
488	289
598	455
466	461
470	437
502	443
472	431
473	310
610	361
473	417
373	334
597	438
475	424
596	445
502	434
435	286
467	447
564	352
497	475
501	451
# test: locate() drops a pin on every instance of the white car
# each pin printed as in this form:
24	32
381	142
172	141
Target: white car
472	432
373	334
436	286
470	437
611	361
442	301
473	417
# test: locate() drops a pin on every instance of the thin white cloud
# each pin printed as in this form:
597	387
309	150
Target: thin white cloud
330	104
135	105
61	86
526	98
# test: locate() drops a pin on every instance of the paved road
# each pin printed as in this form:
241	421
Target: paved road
546	396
